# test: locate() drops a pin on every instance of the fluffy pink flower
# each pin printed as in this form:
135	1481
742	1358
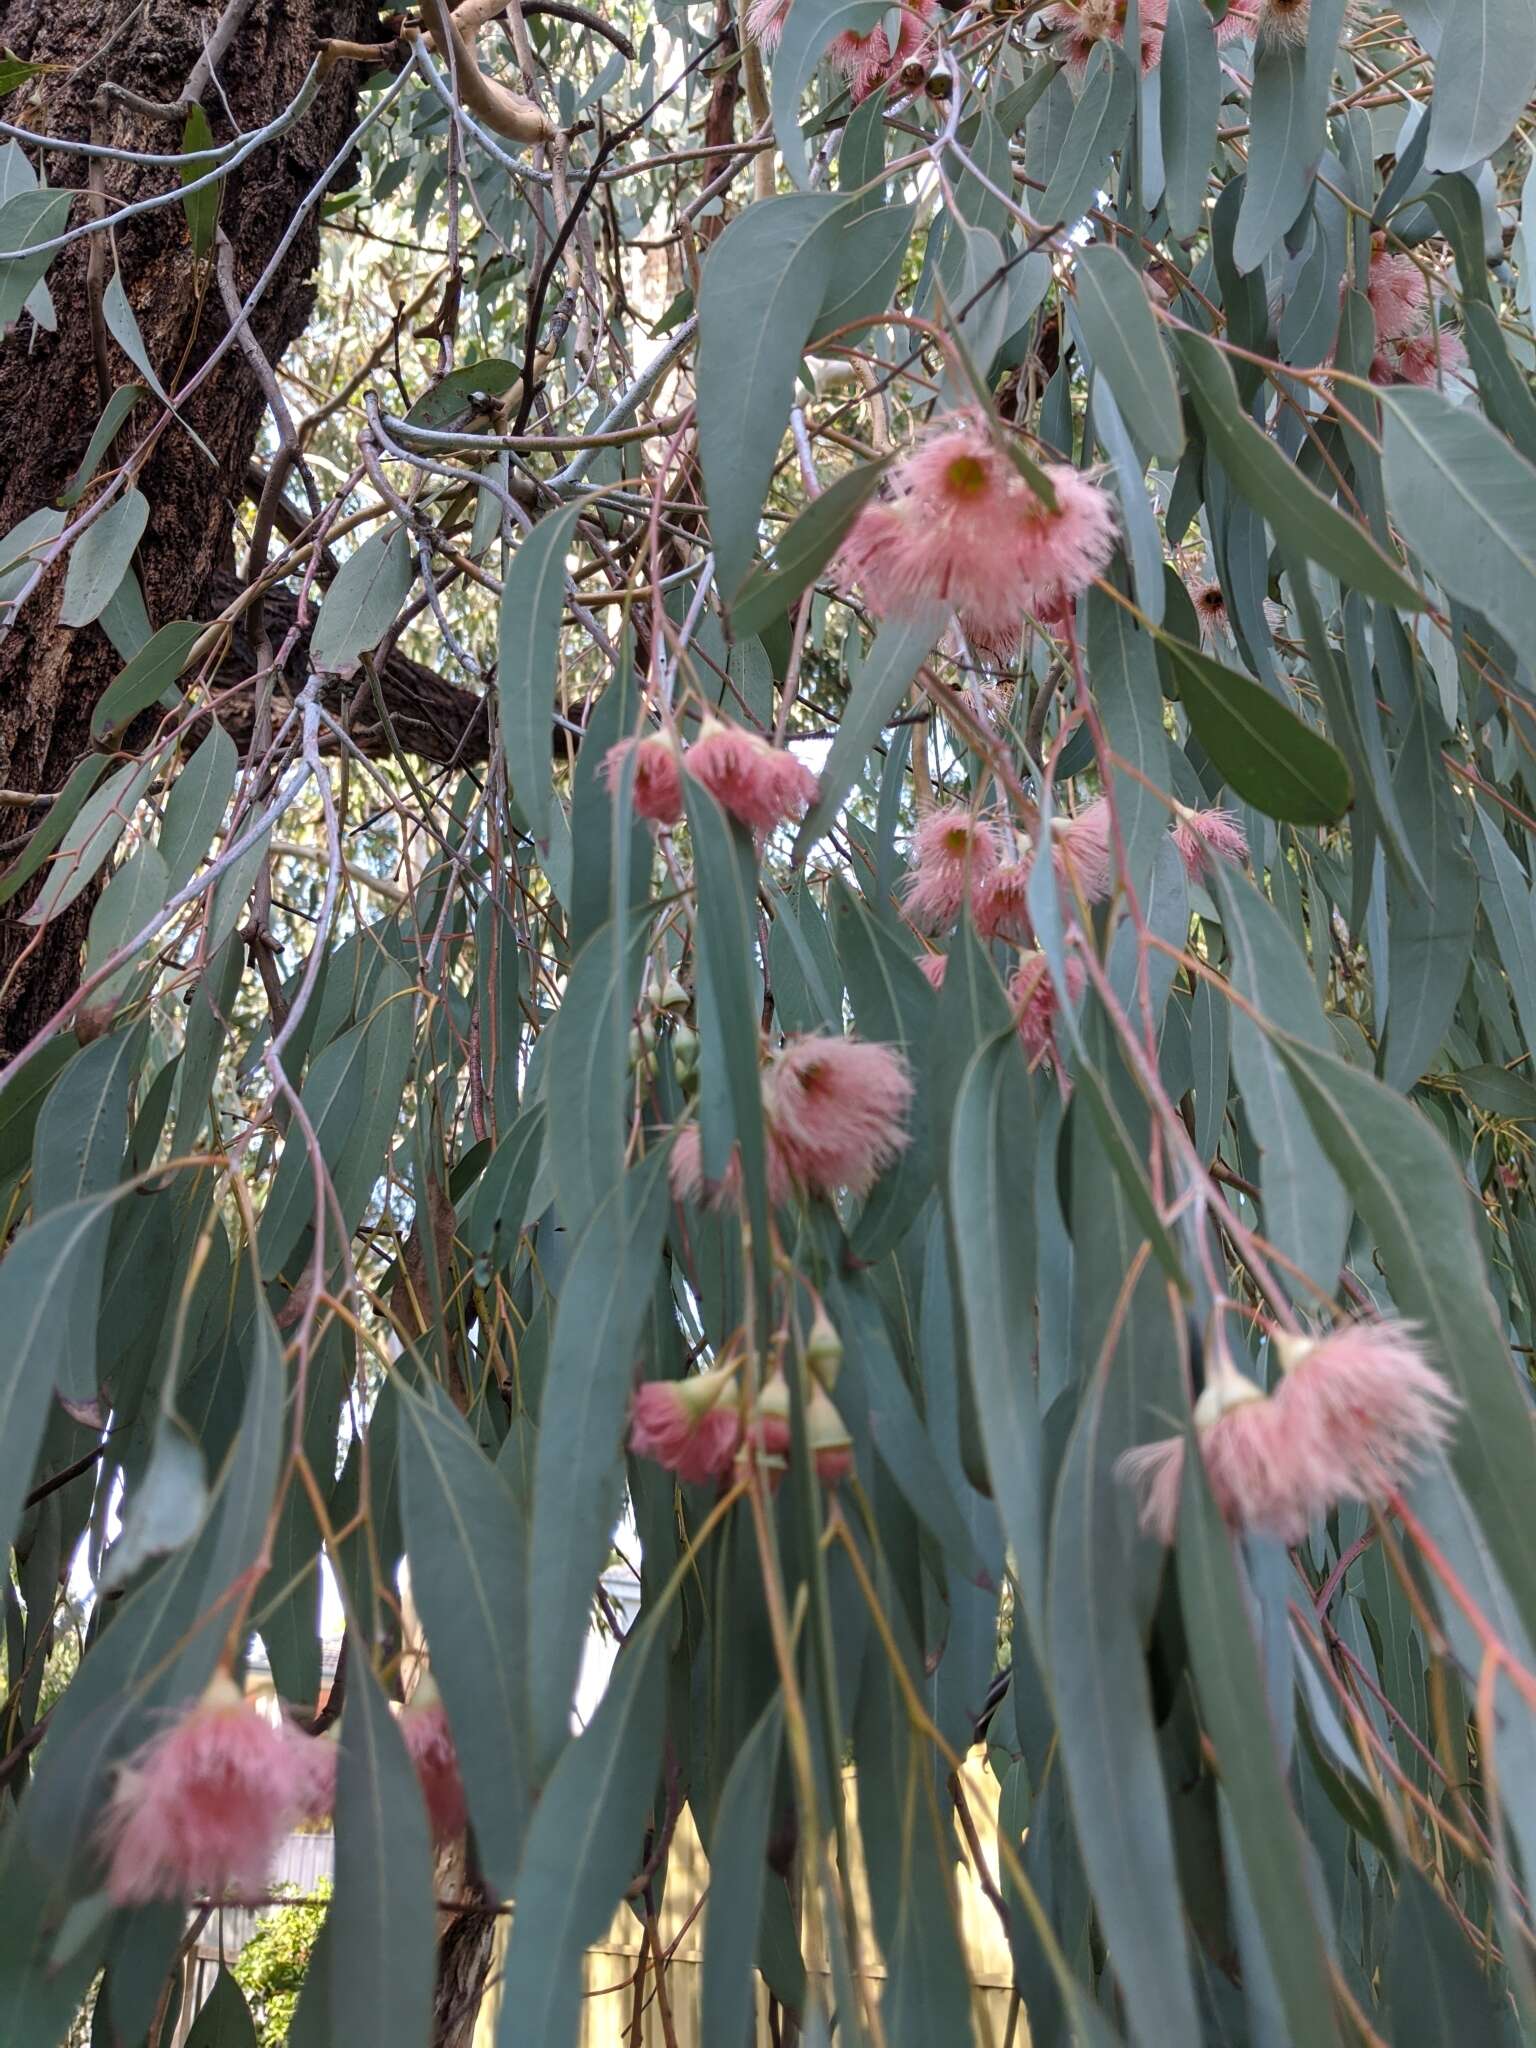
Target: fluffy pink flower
1368	1402
1000	904
1240	19
952	852
1426	358
759	784
1083	24
991	639
867	61
1284	21
933	967
1199	834
1256	1475
1036	1003
658	782
203	1806
944	537
691	1426
1210	609
685	1171
765	21
423	1724
317	1758
1398	294
1083	851
838	1108
1061	552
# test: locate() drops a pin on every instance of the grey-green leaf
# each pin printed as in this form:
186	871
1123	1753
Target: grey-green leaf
528	660
362	603
1121	332
1485	73
382	1949
99	559
1465	502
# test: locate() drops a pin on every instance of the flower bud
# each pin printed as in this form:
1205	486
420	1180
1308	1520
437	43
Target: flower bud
824	1349
673	995
827	1435
685	1048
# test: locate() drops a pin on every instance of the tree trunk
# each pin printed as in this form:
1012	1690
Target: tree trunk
51	393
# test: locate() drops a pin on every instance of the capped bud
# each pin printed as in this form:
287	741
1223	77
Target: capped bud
770	1417
824	1349
827	1434
673	995
685	1048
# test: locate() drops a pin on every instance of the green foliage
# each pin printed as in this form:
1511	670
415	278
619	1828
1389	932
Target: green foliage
272	1966
744	1217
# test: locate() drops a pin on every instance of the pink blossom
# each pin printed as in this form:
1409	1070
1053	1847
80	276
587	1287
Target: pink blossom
423	1724
1284	21
203	1806
1368	1402
1083	24
1199	834
1083	857
691	1426
658	782
685	1172
759	784
933	967
945	538
1210	607
1398	294
1000	905
1259	1475
765	21
1061	552
991	639
1037	1004
1425	358
318	1756
867	62
838	1108
952	852
1240	19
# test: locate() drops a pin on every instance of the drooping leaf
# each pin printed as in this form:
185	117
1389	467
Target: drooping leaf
362	603
1283	766
100	558
1127	349
527	662
150	673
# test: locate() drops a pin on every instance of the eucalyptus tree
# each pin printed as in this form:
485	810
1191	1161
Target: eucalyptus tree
768	825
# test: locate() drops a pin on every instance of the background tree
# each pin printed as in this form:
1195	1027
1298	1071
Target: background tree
768	784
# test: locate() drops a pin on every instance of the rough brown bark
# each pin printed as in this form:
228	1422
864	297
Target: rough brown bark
51	676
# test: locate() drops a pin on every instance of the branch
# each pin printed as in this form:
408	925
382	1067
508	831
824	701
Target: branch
509	113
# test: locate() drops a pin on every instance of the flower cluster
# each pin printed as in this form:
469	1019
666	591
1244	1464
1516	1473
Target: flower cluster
1079	26
761	785
867	61
1411	346
963	528
700	1425
834	1112
204	1805
1354	1414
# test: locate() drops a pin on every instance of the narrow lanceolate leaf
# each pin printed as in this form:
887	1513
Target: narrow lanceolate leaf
1434	1989
1104	1714
1415	1203
763	286
1485	73
363	602
201	207
382	1946
991	1209
738	1872
100	558
1295	510
464	1536
1235	1713
1429	928
1306	1213
1190	97
150	673
98	824
1096	130
585	1076
579	1468
27	218
586	1842
1288	108
39	1275
528	661
803	551
883	682
1283	766
1465	502
1121	332
223	2019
